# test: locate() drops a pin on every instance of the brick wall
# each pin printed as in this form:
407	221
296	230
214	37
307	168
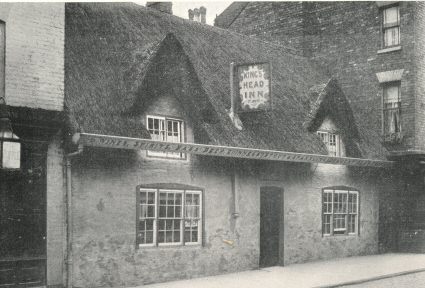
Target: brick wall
34	54
419	54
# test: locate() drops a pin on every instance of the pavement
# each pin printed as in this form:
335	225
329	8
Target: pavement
330	273
416	280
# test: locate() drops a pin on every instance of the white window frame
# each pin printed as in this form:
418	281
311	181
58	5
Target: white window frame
182	219
332	213
326	137
390	26
163	133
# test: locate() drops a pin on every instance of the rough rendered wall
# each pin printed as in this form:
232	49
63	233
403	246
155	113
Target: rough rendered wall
105	221
419	16
303	184
55	213
34	54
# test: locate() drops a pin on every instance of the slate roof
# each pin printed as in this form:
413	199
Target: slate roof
110	48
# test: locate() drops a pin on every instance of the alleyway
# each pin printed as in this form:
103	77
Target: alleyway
317	274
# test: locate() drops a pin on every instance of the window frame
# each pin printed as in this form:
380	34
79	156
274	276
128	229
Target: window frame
385	86
347	191
184	190
2	59
388	26
338	146
182	136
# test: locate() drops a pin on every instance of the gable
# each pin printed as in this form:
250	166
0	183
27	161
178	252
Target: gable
171	88
331	111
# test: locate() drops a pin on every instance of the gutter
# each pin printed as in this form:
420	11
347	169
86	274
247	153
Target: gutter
69	225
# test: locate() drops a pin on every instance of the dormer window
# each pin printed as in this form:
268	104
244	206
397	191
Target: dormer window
167	130
332	142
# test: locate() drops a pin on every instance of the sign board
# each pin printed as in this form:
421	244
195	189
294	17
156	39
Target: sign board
254	87
106	141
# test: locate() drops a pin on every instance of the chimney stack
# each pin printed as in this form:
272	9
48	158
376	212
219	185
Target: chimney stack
166	7
198	14
203	12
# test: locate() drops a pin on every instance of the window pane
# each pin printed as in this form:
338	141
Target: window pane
191	231
391	93
146	231
151	197
195	199
151	211
352	223
391	15
339	223
143	198
392	36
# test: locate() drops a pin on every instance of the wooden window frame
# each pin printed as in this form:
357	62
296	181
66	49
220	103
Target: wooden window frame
328	134
387	26
183	218
166	155
345	191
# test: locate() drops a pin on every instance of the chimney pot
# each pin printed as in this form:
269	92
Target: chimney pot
196	12
203	12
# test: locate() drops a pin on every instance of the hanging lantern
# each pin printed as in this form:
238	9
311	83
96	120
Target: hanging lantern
10	145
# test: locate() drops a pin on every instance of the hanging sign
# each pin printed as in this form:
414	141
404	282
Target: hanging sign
254	87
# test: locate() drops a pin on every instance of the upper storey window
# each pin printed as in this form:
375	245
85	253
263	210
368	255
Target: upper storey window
391	123
331	137
332	142
167	130
391	26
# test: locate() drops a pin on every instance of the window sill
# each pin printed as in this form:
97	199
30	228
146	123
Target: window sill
389	49
351	235
170	246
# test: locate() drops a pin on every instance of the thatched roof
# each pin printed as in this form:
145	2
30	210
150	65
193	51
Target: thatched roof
111	50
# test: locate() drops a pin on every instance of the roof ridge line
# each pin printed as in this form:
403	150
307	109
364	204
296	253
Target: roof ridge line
288	49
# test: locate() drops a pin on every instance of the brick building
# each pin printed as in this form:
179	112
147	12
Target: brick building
32	67
375	51
147	169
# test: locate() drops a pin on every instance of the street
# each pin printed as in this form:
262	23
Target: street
404	281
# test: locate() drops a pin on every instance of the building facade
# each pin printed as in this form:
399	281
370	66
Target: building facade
139	167
374	50
31	199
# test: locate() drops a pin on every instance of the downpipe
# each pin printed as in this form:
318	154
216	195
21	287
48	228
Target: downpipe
69	217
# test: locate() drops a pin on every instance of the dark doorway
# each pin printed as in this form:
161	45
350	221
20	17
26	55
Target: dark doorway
23	221
271	203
